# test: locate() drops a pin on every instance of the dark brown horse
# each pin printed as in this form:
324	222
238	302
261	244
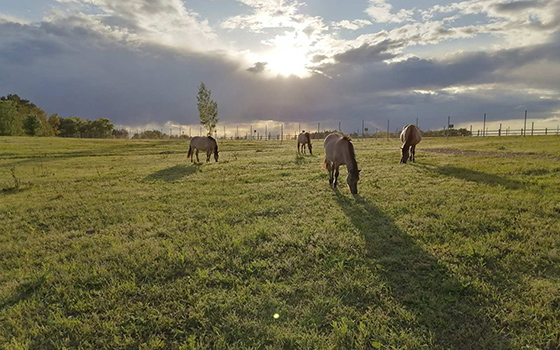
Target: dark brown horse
340	151
410	137
207	143
304	138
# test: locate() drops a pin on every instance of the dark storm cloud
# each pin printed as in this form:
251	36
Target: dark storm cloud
369	53
257	68
516	6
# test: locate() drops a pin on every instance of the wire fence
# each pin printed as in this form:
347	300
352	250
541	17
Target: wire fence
287	131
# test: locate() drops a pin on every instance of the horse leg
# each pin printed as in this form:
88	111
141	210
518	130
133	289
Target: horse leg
298	147
413	154
208	153
197	160
336	177
330	170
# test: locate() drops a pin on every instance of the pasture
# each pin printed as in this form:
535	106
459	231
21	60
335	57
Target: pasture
114	244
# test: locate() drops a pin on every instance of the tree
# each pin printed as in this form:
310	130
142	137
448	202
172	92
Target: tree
25	108
120	133
69	126
54	122
8	118
84	127
207	109
32	125
102	127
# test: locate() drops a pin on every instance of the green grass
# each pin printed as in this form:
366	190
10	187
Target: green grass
112	244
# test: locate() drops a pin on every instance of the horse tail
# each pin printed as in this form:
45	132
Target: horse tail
190	152
326	164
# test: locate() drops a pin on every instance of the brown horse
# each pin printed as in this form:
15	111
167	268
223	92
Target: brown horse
410	137
207	143
340	151
304	138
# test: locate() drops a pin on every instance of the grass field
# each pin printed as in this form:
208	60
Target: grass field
112	244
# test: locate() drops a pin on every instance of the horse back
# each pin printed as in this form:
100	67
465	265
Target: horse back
330	145
304	137
411	135
203	143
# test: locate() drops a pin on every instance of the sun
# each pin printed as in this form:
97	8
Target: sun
286	61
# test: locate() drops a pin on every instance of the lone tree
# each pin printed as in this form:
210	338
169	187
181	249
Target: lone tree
207	109
32	125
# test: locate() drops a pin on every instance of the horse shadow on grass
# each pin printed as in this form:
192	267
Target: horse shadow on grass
173	173
24	291
452	313
474	176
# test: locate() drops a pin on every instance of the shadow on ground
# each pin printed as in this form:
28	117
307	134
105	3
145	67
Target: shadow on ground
24	291
452	313
173	173
474	176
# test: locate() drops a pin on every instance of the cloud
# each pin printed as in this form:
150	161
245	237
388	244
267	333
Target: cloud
368	53
157	22
518	23
351	25
257	68
5	18
380	11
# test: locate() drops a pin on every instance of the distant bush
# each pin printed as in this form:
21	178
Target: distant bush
151	135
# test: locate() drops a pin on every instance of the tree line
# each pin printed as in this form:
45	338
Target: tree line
20	117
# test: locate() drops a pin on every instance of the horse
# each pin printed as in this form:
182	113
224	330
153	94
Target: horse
410	137
207	143
304	138
340	151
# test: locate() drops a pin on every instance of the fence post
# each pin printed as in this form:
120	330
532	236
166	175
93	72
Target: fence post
484	126
478	133
500	130
525	124
471	129
387	129
546	131
281	132
532	127
362	129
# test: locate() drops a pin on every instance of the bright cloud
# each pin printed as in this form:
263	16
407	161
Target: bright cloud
381	11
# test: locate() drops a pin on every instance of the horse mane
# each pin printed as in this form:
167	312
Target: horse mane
352	153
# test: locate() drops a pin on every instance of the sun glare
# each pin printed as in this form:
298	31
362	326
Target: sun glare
288	61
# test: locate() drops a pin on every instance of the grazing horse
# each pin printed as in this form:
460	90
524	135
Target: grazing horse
207	143
340	151
410	137
304	139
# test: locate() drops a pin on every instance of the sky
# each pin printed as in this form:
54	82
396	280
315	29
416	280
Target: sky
292	62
